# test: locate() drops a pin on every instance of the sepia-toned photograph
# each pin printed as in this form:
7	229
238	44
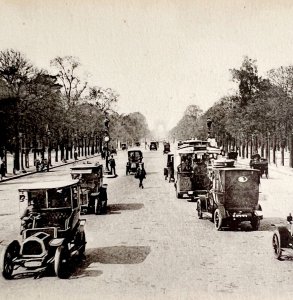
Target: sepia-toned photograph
146	149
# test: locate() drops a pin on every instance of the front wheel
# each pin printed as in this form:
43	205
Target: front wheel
218	219
61	262
276	242
7	257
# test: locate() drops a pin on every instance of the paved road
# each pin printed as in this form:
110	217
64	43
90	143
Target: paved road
152	246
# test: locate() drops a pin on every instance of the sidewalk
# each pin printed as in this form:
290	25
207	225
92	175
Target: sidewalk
272	167
32	169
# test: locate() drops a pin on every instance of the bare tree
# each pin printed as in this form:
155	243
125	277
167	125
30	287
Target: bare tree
72	85
104	98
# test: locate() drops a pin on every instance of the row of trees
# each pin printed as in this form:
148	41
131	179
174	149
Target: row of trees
58	110
259	115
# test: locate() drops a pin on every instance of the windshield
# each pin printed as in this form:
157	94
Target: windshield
58	198
37	199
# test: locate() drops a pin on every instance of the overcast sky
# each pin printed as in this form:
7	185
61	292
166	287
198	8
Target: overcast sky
160	56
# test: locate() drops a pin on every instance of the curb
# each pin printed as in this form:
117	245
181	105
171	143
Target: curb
53	167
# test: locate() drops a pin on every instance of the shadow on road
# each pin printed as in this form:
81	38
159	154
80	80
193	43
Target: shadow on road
110	255
267	223
124	206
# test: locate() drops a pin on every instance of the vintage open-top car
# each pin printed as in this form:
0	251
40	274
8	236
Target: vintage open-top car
166	148
51	228
124	146
93	193
134	158
191	175
282	240
260	164
232	198
154	146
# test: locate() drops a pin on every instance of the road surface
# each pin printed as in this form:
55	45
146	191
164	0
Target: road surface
151	245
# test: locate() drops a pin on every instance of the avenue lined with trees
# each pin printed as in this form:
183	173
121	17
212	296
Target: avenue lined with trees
41	111
257	118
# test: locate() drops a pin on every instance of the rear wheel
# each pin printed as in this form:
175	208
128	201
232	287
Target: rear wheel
218	219
82	243
98	206
178	195
276	242
61	262
8	255
255	222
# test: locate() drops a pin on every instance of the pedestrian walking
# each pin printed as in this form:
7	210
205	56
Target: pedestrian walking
140	174
112	165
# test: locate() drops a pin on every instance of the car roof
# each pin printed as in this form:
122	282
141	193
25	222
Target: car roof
235	169
48	185
134	150
86	166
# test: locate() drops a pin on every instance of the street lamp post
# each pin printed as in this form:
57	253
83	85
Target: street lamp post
21	152
107	139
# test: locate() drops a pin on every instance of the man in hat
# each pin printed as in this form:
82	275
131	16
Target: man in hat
140	174
112	165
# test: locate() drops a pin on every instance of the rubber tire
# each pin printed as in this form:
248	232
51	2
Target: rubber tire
98	207
178	195
276	243
218	219
7	255
61	263
255	222
199	210
83	243
104	208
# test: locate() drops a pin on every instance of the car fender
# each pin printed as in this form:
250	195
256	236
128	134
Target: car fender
222	210
56	242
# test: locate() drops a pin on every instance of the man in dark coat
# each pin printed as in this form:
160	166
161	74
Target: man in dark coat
140	174
112	165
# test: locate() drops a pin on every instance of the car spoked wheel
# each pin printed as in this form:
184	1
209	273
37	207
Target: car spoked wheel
218	219
276	241
61	263
8	255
